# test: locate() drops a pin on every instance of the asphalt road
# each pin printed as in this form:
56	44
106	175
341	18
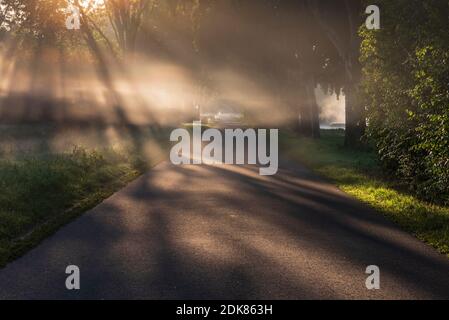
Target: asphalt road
224	232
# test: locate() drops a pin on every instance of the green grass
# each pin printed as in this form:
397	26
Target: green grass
42	192
358	174
45	183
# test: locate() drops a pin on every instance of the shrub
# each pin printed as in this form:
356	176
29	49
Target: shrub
406	89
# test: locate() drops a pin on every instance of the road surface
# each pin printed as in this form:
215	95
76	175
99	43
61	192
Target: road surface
224	232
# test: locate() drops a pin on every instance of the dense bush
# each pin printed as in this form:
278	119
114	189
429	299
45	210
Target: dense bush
406	89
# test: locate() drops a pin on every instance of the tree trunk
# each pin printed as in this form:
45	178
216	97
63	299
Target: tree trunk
292	121
309	124
348	48
355	117
315	112
305	112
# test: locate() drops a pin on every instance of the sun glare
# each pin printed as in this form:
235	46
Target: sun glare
89	5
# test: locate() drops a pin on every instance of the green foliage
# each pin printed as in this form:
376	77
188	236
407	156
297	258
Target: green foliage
406	89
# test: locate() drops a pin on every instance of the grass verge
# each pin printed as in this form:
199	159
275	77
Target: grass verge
358	174
42	192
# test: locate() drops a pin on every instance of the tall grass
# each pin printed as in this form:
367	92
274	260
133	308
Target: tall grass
41	192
